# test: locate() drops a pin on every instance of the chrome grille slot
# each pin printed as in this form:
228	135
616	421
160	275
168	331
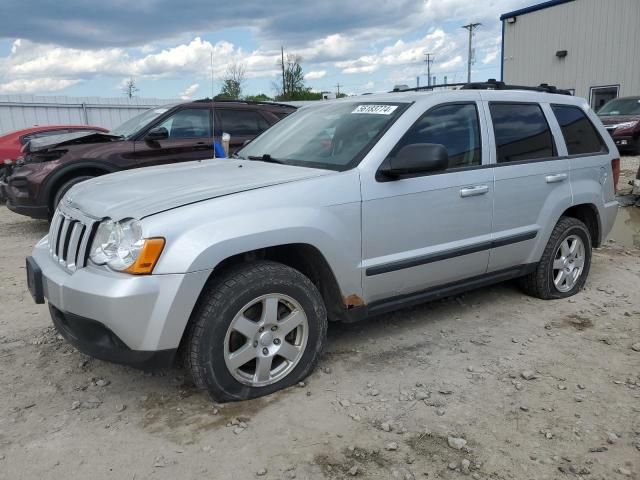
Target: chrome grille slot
69	239
62	239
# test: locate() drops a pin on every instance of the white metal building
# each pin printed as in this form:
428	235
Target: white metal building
23	111
591	47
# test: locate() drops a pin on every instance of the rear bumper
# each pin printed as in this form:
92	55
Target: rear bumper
94	339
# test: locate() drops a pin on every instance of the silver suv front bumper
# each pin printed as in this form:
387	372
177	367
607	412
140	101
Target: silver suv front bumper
95	308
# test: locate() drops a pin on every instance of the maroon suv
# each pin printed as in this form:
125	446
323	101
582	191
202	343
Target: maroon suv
621	118
168	134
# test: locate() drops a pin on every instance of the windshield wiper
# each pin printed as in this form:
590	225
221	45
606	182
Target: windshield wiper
265	158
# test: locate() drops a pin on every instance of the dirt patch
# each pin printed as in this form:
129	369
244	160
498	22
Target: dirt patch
189	414
578	321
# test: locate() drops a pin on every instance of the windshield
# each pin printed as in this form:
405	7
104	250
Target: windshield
333	136
621	106
133	125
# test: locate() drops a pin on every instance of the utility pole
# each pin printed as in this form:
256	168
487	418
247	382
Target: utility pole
428	60
471	27
284	89
338	87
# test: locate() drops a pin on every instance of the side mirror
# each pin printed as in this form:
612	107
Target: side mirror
159	133
415	159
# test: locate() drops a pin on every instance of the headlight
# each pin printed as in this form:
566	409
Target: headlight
120	246
625	125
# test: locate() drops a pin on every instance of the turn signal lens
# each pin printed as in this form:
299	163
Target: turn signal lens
148	257
615	169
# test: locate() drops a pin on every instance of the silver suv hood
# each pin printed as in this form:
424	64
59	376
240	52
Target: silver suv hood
142	192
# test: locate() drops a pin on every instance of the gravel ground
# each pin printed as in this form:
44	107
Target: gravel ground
488	385
628	170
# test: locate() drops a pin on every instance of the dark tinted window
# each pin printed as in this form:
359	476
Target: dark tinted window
188	123
455	126
521	132
241	122
579	133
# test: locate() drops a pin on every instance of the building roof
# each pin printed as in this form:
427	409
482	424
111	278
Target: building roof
533	8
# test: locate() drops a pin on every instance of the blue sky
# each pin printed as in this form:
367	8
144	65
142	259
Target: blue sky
74	47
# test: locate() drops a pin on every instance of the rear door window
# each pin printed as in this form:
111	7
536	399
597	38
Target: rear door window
455	126
242	122
580	136
521	132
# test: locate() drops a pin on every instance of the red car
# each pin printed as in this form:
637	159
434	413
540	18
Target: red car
12	142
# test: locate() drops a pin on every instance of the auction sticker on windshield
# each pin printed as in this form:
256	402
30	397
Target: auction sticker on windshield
375	109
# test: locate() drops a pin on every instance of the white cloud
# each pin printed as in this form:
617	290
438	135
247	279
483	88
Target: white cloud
364	49
490	57
39	85
315	74
403	53
188	92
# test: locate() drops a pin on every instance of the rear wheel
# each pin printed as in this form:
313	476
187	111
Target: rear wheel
259	328
564	266
65	187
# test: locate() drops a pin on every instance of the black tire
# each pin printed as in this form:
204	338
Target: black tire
218	305
64	188
540	283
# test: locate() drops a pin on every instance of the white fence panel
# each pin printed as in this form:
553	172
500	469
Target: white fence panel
24	111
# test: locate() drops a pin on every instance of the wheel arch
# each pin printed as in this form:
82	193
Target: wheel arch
305	258
309	261
59	177
588	214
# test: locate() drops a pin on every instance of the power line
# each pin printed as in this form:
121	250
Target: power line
471	27
428	60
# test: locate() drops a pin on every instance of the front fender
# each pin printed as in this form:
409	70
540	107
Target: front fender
201	236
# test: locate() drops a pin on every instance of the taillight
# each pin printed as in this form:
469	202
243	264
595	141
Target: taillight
615	168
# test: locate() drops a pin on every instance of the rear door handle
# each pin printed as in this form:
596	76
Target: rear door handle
560	177
473	191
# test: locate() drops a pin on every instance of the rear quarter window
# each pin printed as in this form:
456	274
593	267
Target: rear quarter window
521	132
580	135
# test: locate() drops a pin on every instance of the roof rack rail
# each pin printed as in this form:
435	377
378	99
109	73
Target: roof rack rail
491	84
247	102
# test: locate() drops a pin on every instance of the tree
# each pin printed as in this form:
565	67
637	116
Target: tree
261	97
233	81
291	86
130	88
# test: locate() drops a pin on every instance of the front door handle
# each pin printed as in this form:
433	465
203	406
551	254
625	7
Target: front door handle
560	177
473	191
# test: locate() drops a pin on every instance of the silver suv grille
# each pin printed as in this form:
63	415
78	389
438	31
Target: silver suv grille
69	240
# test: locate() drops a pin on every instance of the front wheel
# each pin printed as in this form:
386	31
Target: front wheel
257	329
564	266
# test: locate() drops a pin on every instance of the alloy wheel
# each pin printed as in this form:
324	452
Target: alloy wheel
266	340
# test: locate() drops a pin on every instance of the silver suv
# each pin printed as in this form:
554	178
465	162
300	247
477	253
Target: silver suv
343	210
